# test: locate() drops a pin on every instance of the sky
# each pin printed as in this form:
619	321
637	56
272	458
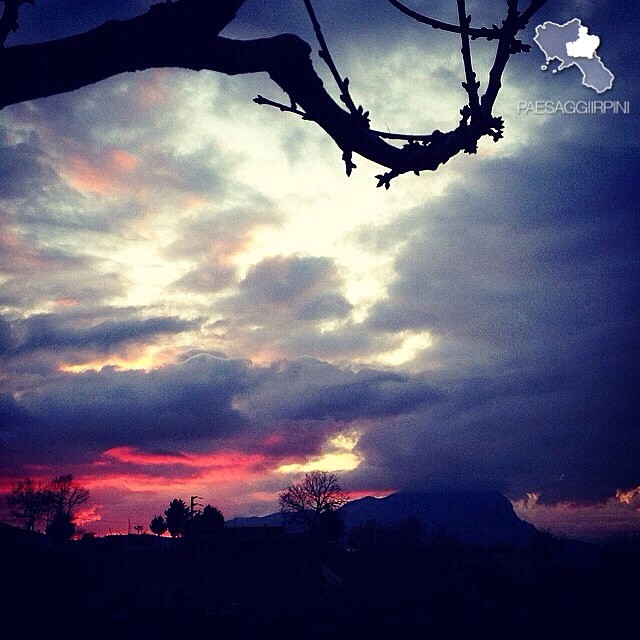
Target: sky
196	301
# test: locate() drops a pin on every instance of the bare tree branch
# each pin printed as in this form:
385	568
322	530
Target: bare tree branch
279	105
507	46
185	34
325	54
317	494
470	85
9	18
483	32
178	34
528	13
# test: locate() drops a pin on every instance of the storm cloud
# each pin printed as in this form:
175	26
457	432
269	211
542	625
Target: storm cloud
194	295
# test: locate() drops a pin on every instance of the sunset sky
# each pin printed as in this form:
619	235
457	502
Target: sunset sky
196	300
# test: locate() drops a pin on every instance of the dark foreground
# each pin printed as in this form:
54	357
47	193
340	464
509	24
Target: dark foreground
263	584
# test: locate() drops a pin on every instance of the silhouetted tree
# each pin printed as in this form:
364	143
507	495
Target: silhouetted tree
29	502
61	528
177	516
211	518
203	523
312	500
158	525
186	34
67	495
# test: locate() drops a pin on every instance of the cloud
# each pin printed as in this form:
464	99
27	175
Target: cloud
524	276
86	413
599	522
509	278
300	287
212	239
50	332
309	389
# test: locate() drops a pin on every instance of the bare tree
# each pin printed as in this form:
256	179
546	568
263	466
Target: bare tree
29	502
185	34
314	499
55	502
66	495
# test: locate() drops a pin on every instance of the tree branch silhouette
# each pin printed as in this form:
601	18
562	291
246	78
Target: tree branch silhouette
484	32
9	17
186	34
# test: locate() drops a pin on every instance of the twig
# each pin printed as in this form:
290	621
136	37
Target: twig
279	105
527	14
483	32
403	136
140	43
510	27
470	85
325	54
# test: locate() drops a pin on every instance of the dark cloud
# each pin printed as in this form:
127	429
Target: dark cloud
51	332
11	414
204	398
511	438
87	413
302	288
344	23
528	279
5	336
524	271
22	170
310	389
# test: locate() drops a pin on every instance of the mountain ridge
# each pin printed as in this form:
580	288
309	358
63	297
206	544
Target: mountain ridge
474	516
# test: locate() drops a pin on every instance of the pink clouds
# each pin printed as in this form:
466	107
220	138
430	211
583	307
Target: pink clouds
108	175
228	461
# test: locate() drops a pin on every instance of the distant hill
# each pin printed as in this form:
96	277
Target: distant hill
272	520
481	517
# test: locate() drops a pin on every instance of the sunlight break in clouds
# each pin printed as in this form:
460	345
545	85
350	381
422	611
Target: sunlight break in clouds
232	293
338	455
143	359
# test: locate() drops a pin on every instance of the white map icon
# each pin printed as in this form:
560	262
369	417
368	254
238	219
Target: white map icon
571	44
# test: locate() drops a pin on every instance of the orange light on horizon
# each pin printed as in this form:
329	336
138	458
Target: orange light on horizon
368	493
628	497
149	359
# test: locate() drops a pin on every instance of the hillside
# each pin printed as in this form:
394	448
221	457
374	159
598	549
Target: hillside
480	517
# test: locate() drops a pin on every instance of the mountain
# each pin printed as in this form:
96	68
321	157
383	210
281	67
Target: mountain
272	520
481	517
